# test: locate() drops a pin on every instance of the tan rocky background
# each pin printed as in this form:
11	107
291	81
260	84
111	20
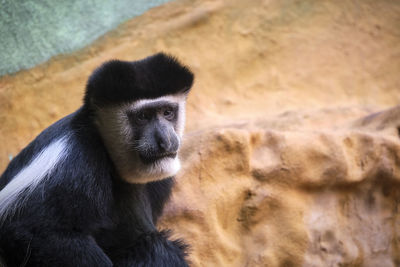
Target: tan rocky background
292	150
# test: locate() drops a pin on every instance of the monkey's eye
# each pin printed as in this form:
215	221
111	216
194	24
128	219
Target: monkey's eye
169	114
142	117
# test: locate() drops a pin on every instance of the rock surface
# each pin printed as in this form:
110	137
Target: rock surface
287	159
255	194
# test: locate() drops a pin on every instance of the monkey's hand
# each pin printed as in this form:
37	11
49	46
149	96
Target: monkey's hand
153	249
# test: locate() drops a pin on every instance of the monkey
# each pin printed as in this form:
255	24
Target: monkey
89	189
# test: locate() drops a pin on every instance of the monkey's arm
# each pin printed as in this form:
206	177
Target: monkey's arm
134	240
65	249
158	193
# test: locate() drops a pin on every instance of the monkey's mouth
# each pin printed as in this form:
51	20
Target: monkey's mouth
150	159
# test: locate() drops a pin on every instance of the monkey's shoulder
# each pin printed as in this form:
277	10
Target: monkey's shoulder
66	145
27	154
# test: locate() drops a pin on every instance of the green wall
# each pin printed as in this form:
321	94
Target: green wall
32	31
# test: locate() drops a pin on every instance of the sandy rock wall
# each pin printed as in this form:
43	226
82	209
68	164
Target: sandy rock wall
258	195
291	154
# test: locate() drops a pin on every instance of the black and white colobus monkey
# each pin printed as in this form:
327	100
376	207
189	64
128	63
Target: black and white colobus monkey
89	189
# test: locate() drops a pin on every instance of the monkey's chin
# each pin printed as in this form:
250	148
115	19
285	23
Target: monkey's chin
158	170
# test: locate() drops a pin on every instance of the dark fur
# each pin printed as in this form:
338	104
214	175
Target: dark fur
85	215
122	81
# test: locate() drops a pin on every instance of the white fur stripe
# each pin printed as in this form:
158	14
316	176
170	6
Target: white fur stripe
30	176
169	98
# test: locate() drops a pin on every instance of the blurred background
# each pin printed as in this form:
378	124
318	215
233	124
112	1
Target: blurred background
284	163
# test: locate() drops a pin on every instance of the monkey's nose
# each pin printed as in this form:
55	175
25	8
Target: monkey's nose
163	141
164	145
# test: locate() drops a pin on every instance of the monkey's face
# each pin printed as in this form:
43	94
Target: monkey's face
143	137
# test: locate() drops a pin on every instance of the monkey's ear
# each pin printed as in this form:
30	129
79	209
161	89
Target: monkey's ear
111	83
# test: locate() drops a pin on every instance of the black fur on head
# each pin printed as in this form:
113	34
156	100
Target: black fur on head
117	81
